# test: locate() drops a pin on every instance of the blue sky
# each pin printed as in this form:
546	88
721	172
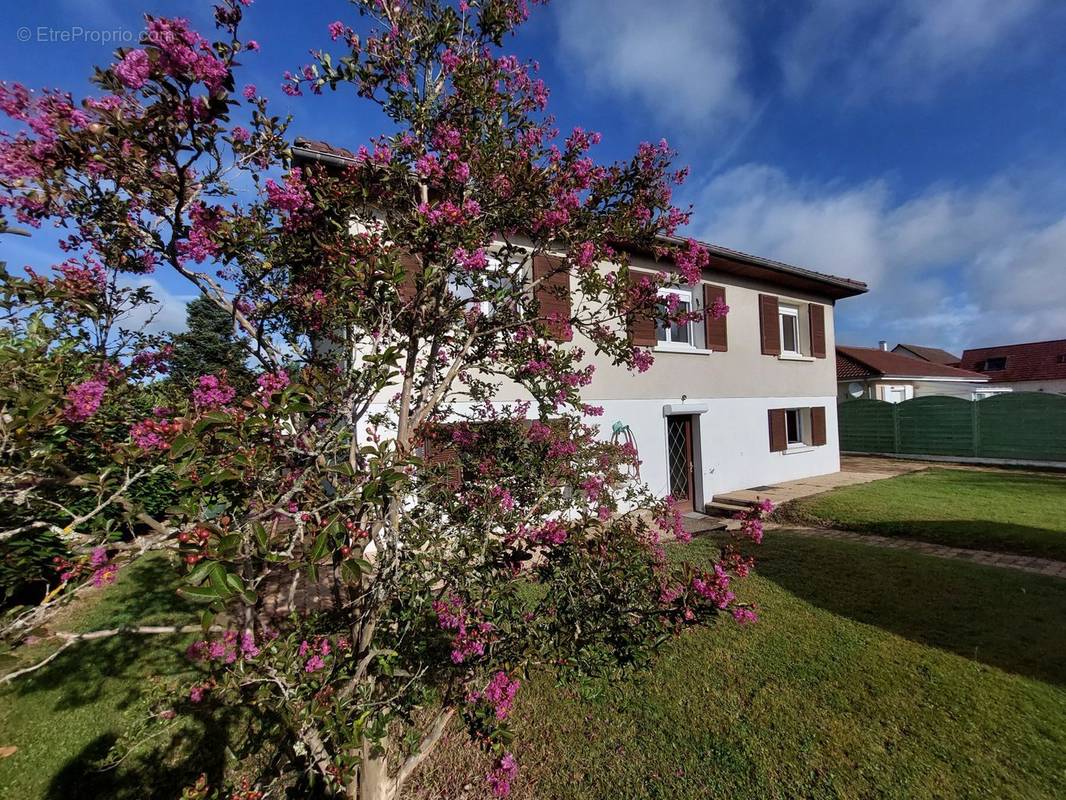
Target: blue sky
916	145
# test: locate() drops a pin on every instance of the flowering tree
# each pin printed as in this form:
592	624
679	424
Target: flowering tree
381	539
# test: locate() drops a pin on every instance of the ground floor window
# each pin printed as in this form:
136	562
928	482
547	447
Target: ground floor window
794	426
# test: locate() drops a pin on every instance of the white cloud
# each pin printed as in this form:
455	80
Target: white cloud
907	48
948	267
683	60
165	315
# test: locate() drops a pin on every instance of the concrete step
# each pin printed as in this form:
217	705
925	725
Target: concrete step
718	508
733	500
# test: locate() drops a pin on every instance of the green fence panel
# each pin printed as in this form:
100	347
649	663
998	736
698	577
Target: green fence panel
936	426
1022	425
867	426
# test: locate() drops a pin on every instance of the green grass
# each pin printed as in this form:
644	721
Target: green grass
872	673
64	718
1011	512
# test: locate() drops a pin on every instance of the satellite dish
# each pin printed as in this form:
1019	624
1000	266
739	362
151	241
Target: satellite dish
856	390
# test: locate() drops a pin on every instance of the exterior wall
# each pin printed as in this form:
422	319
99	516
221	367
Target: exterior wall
734	390
732	447
876	389
741	371
1055	386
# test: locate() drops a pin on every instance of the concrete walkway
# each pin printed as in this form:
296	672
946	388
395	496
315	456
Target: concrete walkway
1038	566
853	470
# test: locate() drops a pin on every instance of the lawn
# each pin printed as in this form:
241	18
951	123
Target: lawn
64	718
872	673
1011	512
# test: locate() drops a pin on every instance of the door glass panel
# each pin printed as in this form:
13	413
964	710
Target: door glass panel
678	456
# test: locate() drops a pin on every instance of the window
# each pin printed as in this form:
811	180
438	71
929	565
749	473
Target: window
797	430
794	426
675	333
1062	358
790	330
496	277
993	364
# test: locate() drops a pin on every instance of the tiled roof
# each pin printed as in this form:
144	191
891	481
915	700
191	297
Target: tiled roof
867	362
1024	362
933	354
842	287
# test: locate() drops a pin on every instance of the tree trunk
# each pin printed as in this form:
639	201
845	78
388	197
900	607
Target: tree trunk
373	782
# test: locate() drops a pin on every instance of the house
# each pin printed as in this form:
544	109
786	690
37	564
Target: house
933	355
1031	367
875	373
730	403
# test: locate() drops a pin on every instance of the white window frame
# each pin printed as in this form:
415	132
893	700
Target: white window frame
684	296
793	313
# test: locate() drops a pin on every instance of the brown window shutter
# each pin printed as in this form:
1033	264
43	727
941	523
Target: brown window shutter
442	454
817	315
553	295
715	329
778	434
412	268
769	326
642	329
818	425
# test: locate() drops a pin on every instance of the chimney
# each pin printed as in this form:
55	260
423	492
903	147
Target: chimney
883	345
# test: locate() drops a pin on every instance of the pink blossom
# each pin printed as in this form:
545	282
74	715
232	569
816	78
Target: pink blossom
270	383
449	60
470	635
133	69
745	616
336	30
240	134
212	391
552	532
83	399
196	694
503	775
252	45
249	92
470	260
500	694
291	197
314	663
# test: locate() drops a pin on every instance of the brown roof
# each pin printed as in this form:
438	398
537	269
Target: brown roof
1024	362
723	259
871	362
933	354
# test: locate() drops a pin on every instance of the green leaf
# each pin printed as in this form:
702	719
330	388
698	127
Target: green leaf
181	445
198	594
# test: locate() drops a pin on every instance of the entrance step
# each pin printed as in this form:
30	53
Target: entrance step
720	507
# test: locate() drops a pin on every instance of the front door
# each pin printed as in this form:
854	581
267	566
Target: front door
679	460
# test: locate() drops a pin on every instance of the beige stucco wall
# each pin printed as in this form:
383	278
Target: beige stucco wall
741	371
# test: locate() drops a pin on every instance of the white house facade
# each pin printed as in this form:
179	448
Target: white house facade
738	402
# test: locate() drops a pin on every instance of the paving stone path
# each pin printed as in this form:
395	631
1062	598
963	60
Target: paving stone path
1039	566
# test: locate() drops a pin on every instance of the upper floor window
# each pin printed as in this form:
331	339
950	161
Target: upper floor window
790	329
675	333
993	364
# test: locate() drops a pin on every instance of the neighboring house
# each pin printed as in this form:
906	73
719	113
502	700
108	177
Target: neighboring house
876	374
933	355
1032	367
729	404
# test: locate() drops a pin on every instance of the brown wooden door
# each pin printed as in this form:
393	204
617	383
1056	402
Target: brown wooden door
679	460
